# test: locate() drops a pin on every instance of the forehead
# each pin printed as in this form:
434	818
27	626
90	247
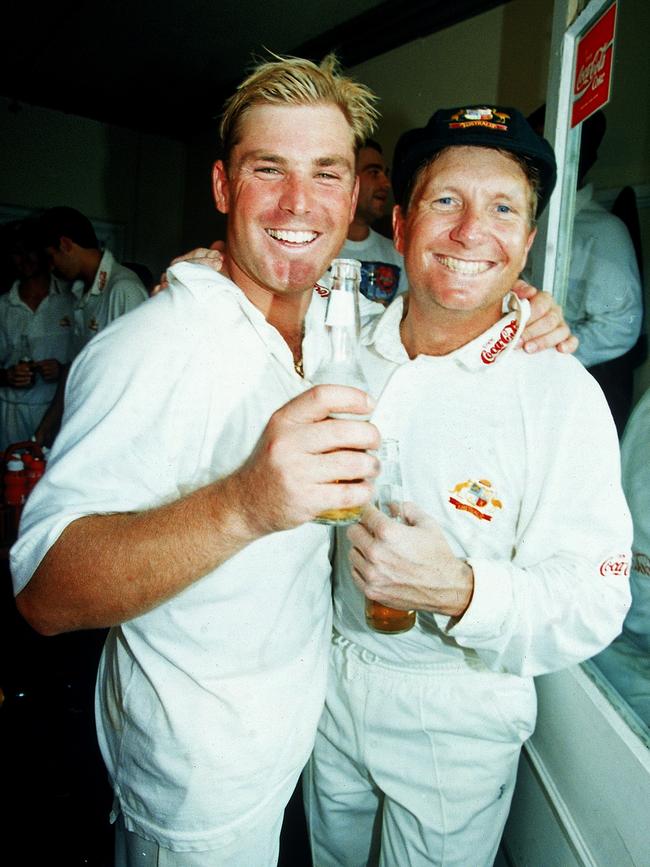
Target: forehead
320	129
369	157
461	166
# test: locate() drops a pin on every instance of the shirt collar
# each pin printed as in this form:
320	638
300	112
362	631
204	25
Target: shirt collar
102	277
479	354
191	274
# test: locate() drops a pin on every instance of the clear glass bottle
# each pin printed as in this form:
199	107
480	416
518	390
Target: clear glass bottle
340	363
26	358
389	499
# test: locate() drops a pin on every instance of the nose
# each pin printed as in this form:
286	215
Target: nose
296	196
469	227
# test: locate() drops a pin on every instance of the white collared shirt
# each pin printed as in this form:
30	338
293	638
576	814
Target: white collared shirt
603	304
208	704
516	458
49	334
114	291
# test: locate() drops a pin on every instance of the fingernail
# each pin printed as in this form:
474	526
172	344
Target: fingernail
530	347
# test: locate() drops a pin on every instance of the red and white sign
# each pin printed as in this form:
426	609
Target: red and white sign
593	70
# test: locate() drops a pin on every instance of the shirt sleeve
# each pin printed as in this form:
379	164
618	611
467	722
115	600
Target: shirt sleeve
635	450
604	306
125	296
125	443
563	595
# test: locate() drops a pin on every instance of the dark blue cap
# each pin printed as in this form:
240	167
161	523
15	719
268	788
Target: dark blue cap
474	126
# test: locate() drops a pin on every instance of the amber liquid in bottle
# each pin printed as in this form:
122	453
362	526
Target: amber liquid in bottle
382	618
340	365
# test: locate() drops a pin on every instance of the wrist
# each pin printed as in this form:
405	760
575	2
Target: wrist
463	589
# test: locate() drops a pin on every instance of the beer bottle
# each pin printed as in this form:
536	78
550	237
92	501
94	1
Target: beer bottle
340	363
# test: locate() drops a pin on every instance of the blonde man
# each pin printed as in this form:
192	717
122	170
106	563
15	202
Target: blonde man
178	504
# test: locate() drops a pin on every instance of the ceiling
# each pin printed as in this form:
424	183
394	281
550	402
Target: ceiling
165	66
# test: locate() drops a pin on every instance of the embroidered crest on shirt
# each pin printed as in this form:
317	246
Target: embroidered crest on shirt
93	325
101	283
491	350
477	498
618	566
489	117
65	322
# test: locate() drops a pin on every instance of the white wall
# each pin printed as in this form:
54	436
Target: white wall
109	173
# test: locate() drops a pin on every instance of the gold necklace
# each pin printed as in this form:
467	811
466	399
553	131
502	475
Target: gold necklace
297	362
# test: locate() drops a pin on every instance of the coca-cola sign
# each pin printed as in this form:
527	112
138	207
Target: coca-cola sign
490	351
593	70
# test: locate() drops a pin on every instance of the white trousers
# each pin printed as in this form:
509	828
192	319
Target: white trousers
257	847
414	766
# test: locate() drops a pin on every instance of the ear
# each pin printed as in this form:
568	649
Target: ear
220	187
355	196
529	242
66	244
398	229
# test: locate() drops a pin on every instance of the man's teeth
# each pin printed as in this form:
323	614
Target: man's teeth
462	266
292	237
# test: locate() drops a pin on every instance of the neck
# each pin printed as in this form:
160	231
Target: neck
90	260
285	312
433	330
359	230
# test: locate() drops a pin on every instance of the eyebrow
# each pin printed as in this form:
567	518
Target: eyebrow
377	166
502	192
276	159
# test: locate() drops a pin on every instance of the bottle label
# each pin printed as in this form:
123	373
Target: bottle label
340	309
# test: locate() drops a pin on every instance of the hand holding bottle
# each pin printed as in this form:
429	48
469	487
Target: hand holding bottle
307	462
409	565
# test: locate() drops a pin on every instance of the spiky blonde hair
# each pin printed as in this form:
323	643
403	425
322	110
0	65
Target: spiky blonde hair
296	81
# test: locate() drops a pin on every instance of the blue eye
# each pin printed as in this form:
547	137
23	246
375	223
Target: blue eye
504	209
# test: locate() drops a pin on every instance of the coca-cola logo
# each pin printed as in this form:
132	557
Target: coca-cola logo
618	566
591	73
490	351
322	291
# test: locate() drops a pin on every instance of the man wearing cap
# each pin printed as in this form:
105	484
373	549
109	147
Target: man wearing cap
513	551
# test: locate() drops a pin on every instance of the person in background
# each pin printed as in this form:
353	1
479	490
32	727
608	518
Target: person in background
382	268
626	662
102	289
513	552
144	273
604	303
36	337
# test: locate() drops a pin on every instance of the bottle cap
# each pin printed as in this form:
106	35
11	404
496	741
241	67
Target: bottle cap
346	269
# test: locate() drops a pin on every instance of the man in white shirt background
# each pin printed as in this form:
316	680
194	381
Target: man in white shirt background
102	289
604	302
382	267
